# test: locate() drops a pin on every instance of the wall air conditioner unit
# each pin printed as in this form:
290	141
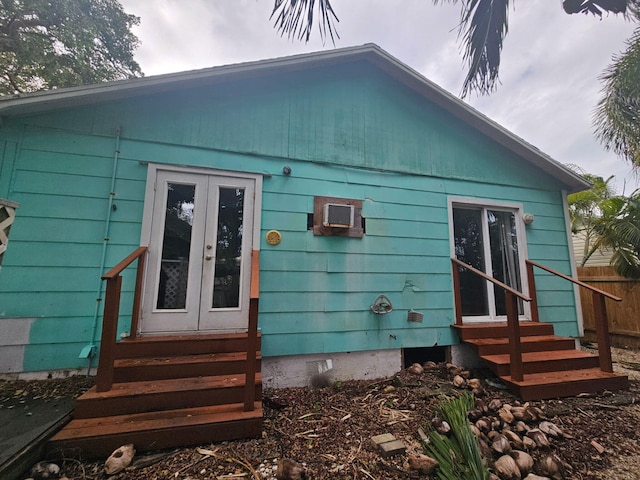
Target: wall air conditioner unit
337	215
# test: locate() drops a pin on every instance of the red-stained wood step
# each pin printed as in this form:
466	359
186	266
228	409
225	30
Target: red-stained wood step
537	343
178	345
98	437
167	367
152	395
552	366
499	329
540	362
538	386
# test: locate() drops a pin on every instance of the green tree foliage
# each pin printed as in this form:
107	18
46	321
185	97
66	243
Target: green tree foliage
608	221
63	43
618	113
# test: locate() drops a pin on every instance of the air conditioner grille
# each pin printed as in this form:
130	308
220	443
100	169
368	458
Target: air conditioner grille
337	215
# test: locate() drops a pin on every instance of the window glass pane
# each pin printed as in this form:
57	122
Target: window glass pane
469	248
504	255
226	288
176	246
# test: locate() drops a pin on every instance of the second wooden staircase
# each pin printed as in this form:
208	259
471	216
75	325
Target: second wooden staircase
528	357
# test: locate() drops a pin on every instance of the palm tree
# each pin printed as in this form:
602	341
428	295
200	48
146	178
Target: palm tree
483	28
608	221
585	209
617	116
619	229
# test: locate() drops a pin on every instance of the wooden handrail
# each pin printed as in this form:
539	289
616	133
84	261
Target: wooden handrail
599	311
104	377
128	260
573	280
513	323
504	286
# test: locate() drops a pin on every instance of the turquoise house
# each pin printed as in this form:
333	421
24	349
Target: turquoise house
355	178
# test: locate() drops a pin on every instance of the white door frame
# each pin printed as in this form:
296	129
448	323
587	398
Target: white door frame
148	216
518	208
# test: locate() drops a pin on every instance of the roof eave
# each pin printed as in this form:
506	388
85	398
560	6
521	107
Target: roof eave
88	94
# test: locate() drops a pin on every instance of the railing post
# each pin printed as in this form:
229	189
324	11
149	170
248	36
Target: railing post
533	293
137	296
252	348
457	296
104	377
602	332
513	330
252	334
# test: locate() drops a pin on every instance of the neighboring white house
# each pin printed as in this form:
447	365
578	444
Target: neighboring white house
600	258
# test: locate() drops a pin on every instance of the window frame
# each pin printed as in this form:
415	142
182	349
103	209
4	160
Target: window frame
484	205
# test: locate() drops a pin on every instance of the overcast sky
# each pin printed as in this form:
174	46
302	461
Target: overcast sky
549	73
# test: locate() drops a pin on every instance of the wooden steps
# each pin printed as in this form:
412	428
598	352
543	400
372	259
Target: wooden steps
566	383
158	430
164	367
552	365
168	391
546	361
146	396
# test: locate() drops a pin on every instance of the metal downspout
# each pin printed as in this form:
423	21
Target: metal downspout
90	349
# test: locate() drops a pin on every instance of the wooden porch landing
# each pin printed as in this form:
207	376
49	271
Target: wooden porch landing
551	365
167	392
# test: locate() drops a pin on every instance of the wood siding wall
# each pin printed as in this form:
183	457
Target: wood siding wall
624	320
358	135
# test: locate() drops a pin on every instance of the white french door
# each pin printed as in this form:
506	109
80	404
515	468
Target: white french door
200	242
490	239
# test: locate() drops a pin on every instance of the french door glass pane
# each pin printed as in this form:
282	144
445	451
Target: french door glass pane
226	288
504	255
469	248
176	246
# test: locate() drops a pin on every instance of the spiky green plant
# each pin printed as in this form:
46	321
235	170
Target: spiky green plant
458	454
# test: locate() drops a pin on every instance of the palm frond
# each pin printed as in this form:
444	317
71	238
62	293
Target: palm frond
596	7
295	18
617	115
626	263
483	27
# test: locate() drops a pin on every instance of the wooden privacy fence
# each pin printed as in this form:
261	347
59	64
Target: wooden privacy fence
624	317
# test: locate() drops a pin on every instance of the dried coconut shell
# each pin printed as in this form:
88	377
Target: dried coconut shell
514	439
423	464
500	444
529	443
507	468
506	415
550	429
459	382
539	437
290	470
120	459
474	383
416	369
523	460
